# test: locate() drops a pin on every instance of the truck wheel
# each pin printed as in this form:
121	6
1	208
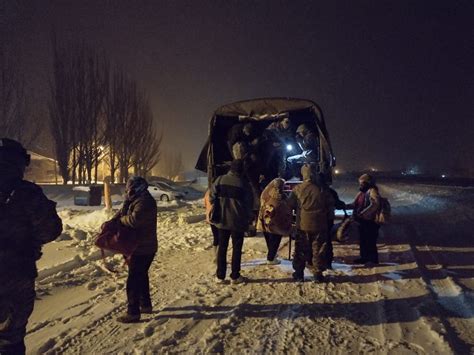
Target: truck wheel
164	198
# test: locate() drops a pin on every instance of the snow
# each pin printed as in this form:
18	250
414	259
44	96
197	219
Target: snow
420	299
81	188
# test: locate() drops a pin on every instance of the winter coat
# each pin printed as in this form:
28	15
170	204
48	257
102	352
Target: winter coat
275	216
367	204
141	216
27	221
314	207
231	195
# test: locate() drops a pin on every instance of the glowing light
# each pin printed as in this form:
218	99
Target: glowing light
289	147
443	176
336	171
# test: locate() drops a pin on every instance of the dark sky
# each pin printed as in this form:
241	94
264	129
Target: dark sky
394	78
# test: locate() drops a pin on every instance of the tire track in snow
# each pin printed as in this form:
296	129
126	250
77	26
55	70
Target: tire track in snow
90	339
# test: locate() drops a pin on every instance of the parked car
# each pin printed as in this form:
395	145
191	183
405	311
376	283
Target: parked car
163	192
215	156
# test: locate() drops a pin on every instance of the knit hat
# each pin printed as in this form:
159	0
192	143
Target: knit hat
13	151
369	179
302	128
136	186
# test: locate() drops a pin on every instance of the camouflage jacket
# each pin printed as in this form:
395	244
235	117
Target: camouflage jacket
314	207
27	221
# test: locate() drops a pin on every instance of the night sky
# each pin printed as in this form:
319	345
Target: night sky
394	78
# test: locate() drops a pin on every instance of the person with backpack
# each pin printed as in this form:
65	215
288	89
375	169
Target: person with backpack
366	206
28	220
275	218
314	206
231	196
139	212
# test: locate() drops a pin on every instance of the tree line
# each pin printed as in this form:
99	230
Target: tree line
99	114
17	120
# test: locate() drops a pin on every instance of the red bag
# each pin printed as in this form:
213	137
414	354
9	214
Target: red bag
117	238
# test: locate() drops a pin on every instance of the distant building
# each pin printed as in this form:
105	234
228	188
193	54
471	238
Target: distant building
42	170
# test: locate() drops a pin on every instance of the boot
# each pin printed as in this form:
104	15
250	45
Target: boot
319	277
146	309
129	318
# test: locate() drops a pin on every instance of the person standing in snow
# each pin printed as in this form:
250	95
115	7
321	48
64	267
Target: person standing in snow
338	205
28	220
366	206
231	195
214	230
139	213
314	206
252	172
275	217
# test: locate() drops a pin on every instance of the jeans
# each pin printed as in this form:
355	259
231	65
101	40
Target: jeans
273	243
138	284
237	243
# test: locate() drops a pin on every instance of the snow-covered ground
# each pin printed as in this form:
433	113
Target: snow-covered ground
418	300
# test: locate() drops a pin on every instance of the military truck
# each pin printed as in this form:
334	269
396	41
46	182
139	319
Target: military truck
215	156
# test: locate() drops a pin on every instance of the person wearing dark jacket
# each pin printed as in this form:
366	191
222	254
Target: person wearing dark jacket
139	213
252	172
366	206
231	195
338	205
277	141
27	221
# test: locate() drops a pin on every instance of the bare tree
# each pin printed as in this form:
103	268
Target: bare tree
171	164
147	152
91	81
114	112
122	133
78	90
17	121
62	109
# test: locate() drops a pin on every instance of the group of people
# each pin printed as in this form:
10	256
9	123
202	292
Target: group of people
28	220
277	149
229	203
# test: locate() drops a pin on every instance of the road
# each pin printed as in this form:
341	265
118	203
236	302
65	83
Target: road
418	300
